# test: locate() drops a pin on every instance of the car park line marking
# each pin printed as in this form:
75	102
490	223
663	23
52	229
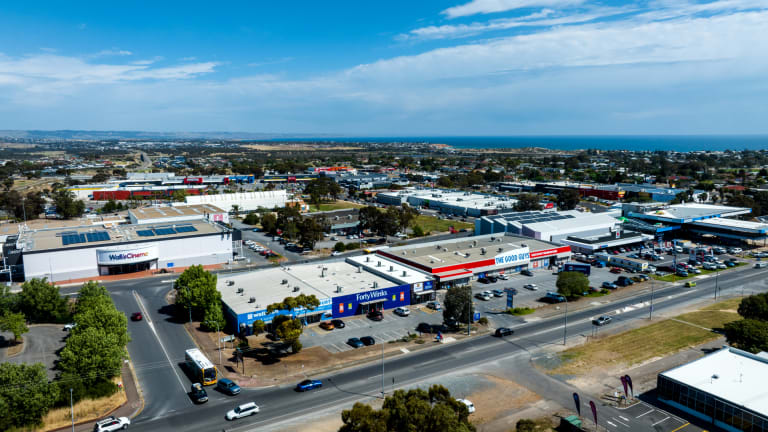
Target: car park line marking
623	424
661	421
152	327
611	424
624	418
645	413
686	424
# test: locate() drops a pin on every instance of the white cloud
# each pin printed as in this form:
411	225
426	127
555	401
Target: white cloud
114	52
475	7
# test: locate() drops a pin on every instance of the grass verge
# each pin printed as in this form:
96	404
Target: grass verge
85	410
15	348
336	205
655	340
521	311
433	224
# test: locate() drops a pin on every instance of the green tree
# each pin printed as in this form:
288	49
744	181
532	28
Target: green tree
90	293
527	202
405	217
93	353
754	307
747	334
572	284
458	304
418	231
214	317
251	218
258	327
413	410
310	232
25	395
388	223
289	330
14	323
67	205
568	199
196	288
179	195
269	223
40	302
339	247
9	301
309	302
368	217
102	314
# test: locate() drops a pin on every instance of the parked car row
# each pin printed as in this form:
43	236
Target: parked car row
361	342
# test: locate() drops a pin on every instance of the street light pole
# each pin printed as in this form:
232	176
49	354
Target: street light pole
565	321
382	371
189	303
72	410
650	312
218	335
717	273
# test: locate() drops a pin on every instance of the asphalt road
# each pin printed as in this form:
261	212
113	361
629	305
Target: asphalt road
168	407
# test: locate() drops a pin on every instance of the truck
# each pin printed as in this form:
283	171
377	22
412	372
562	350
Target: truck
577	267
631	264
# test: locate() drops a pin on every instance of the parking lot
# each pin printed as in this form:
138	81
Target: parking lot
41	346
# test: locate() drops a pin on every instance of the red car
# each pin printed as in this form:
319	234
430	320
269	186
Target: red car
615	270
136	316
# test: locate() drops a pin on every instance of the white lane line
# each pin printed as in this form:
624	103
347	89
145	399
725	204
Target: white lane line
624	418
621	423
152	327
611	424
660	421
645	413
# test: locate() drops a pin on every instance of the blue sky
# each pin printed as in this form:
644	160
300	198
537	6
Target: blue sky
471	67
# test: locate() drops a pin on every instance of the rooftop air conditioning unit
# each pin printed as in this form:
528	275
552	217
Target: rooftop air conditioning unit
367	259
239	290
405	273
296	289
493	238
375	284
252	300
445	249
338	288
501	249
391	268
378	263
482	251
285	281
230	282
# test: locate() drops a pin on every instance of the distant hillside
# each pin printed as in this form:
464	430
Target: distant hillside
141	135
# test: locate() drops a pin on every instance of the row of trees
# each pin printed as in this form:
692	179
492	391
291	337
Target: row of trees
413	410
751	332
292	225
387	222
196	293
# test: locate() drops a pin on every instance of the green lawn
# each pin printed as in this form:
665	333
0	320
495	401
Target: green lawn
336	205
655	340
673	278
435	225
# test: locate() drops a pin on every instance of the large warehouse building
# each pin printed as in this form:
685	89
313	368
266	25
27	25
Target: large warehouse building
725	388
344	288
551	226
245	201
449	202
456	262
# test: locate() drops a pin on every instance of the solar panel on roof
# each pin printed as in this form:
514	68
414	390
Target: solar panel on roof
69	239
97	236
183	229
164	231
145	233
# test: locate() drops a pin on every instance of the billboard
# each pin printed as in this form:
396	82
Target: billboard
392	297
578	267
114	256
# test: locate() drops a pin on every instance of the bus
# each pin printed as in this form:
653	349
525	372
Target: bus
202	369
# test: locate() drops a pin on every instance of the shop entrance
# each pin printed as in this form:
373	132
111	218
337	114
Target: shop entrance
116	269
311	318
422	297
374	305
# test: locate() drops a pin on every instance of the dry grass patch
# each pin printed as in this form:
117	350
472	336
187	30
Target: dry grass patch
14	348
85	411
713	319
632	347
728	305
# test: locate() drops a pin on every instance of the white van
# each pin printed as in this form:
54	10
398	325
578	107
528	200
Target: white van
469	404
761	264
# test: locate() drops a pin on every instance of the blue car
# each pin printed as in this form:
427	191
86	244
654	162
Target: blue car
355	342
228	386
308	385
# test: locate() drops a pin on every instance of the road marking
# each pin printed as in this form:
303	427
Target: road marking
611	424
645	413
624	418
152	327
660	421
404	350
623	424
686	424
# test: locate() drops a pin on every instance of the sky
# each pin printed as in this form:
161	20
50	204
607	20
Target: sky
394	68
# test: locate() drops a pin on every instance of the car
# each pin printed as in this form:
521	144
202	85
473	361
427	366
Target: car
721	266
730	264
503	277
615	270
609	285
337	323
327	325
256	230
601	320
333	238
308	385
424	328
493	279
368	340
227	386
198	393
469	404
531	287
335	253
553	297
482	296
695	270
244	410
736	251
498	293
375	315
682	273
70	326
136	316
434	305
690	284
402	311
503	331
111	423
526	272
484	280
354	342
709	266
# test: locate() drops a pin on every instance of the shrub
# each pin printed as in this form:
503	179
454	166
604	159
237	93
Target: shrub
339	247
483	321
520	311
525	425
258	327
352	246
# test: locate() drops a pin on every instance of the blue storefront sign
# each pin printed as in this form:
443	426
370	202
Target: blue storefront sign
583	268
510	299
392	297
476	317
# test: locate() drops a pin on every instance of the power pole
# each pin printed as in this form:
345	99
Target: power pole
650	311
382	371
72	410
565	321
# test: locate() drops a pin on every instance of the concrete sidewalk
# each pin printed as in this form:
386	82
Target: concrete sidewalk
131	408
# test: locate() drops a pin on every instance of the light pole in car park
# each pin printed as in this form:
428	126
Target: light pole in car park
565	321
650	310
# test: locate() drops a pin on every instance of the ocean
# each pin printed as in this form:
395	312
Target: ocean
680	143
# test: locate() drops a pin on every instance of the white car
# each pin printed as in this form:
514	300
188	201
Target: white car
69	326
434	305
721	265
402	311
243	410
335	253
469	404
531	287
503	277
111	423
483	296
709	266
487	293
